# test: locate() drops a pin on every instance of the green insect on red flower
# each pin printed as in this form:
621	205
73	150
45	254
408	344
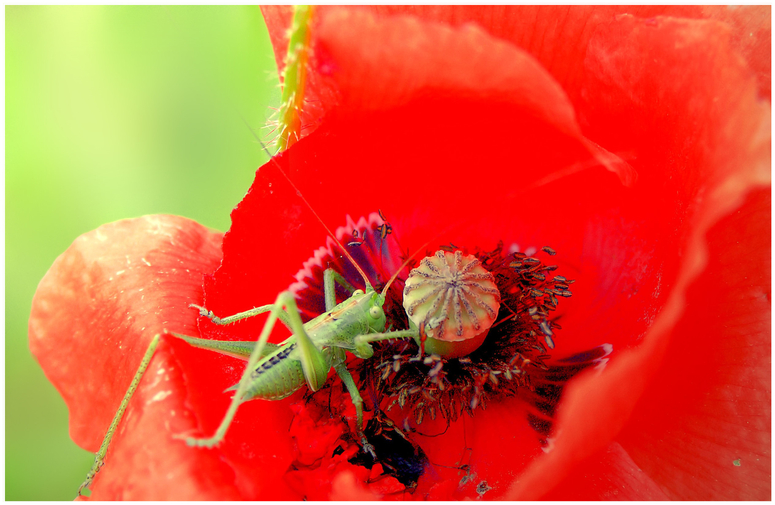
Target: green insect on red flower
624	86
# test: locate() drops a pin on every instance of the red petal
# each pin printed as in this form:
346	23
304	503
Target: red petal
708	407
544	32
102	301
709	404
720	140
609	475
497	443
369	77
93	316
365	67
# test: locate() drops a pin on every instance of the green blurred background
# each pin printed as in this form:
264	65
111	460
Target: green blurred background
111	113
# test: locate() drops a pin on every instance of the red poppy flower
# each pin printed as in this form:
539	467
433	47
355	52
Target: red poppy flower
520	127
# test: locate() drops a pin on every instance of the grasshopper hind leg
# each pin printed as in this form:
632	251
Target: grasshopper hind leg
314	364
99	459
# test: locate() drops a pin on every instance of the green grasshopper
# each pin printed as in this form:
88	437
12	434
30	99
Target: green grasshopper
275	371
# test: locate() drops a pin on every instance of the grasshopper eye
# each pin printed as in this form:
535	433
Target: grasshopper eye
358	292
375	312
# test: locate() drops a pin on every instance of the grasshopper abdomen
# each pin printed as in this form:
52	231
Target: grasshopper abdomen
276	376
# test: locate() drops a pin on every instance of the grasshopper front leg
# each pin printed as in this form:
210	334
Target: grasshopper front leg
222	321
363	347
330	276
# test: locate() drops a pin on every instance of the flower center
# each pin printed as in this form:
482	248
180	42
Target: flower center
520	332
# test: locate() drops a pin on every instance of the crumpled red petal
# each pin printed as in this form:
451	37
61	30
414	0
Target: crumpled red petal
723	138
714	385
701	429
93	316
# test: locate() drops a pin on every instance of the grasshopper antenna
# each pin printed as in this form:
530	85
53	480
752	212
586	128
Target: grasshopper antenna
276	164
408	260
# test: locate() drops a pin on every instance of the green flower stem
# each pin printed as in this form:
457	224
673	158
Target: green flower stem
295	77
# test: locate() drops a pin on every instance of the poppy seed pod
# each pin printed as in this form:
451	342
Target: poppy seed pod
455	299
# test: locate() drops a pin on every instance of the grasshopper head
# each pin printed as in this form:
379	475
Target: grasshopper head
375	313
